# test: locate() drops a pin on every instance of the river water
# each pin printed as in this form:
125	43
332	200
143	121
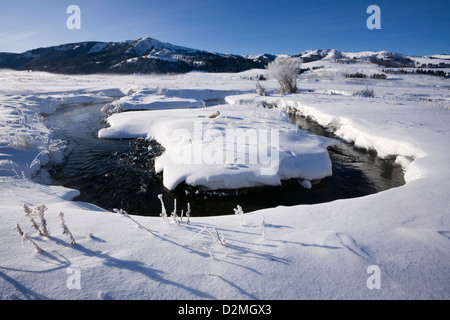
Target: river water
119	174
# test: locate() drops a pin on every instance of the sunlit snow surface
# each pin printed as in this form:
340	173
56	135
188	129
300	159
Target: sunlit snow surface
244	146
300	252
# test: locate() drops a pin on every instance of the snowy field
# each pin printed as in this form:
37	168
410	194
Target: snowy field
391	245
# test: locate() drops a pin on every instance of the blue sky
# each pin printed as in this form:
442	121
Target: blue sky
233	26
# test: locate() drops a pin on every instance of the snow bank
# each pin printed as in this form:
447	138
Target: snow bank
244	146
148	100
326	251
26	143
164	98
356	131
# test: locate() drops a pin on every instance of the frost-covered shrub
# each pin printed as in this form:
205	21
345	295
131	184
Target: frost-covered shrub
263	227
368	93
259	89
25	237
188	213
238	210
66	230
19	141
163	208
285	70
174	214
217	237
111	108
38	212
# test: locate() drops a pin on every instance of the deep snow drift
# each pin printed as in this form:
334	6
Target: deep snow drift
398	239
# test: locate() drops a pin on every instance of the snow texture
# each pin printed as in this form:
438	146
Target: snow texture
324	251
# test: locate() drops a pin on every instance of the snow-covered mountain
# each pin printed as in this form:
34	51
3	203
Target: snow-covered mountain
148	55
145	55
383	58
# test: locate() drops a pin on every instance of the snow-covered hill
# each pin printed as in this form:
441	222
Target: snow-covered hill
144	55
382	58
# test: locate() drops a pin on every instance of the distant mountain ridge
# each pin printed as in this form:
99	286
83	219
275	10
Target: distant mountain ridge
382	58
145	55
148	55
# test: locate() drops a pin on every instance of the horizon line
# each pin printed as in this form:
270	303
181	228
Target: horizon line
212	51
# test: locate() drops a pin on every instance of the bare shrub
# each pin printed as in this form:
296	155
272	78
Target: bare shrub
368	93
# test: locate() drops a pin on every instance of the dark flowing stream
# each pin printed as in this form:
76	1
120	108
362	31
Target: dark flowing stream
119	174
